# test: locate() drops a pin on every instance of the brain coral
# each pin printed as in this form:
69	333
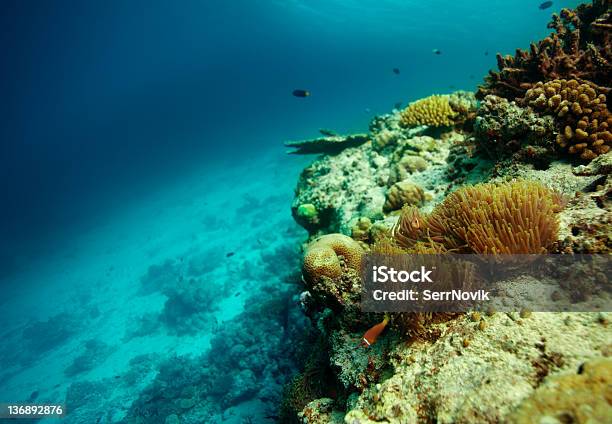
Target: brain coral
403	193
434	111
515	217
580	109
322	257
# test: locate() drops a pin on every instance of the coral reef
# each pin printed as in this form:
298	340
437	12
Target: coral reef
581	112
403	193
480	369
517	217
579	48
434	111
329	144
527	198
582	397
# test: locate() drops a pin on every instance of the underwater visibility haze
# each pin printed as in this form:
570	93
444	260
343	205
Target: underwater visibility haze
189	190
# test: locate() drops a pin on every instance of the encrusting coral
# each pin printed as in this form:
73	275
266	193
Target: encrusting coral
580	109
515	217
434	111
579	48
403	193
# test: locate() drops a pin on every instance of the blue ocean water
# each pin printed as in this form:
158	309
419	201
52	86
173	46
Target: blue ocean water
141	156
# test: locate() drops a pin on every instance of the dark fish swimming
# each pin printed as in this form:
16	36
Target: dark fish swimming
436	51
327	132
230	254
396	71
545	5
486	52
301	93
397	105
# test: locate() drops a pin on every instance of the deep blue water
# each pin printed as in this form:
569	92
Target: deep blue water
109	107
102	100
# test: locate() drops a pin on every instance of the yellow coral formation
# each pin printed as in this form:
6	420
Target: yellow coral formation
575	398
515	217
403	193
322	257
581	112
434	111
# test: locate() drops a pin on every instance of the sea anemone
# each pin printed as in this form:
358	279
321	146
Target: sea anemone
515	217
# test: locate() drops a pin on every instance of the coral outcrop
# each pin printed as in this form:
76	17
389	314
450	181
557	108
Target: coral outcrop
502	127
329	144
581	112
523	196
579	48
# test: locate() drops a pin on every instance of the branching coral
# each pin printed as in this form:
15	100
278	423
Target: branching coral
516	217
580	109
322	257
579	48
434	111
403	193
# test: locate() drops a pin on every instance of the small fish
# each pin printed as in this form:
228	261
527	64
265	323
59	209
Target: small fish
230	254
237	294
370	336
301	93
397	105
396	71
545	5
328	133
486	52
436	51
34	395
117	377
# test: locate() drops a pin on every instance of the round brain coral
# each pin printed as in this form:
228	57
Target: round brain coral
403	193
322	257
434	111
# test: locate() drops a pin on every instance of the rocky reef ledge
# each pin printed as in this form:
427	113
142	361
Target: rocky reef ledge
515	172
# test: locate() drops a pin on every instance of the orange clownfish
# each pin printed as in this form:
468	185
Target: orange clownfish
370	336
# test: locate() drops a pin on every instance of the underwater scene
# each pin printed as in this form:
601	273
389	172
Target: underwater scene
203	203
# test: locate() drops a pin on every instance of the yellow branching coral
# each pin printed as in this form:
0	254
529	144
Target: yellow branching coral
515	217
580	110
434	111
322	257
